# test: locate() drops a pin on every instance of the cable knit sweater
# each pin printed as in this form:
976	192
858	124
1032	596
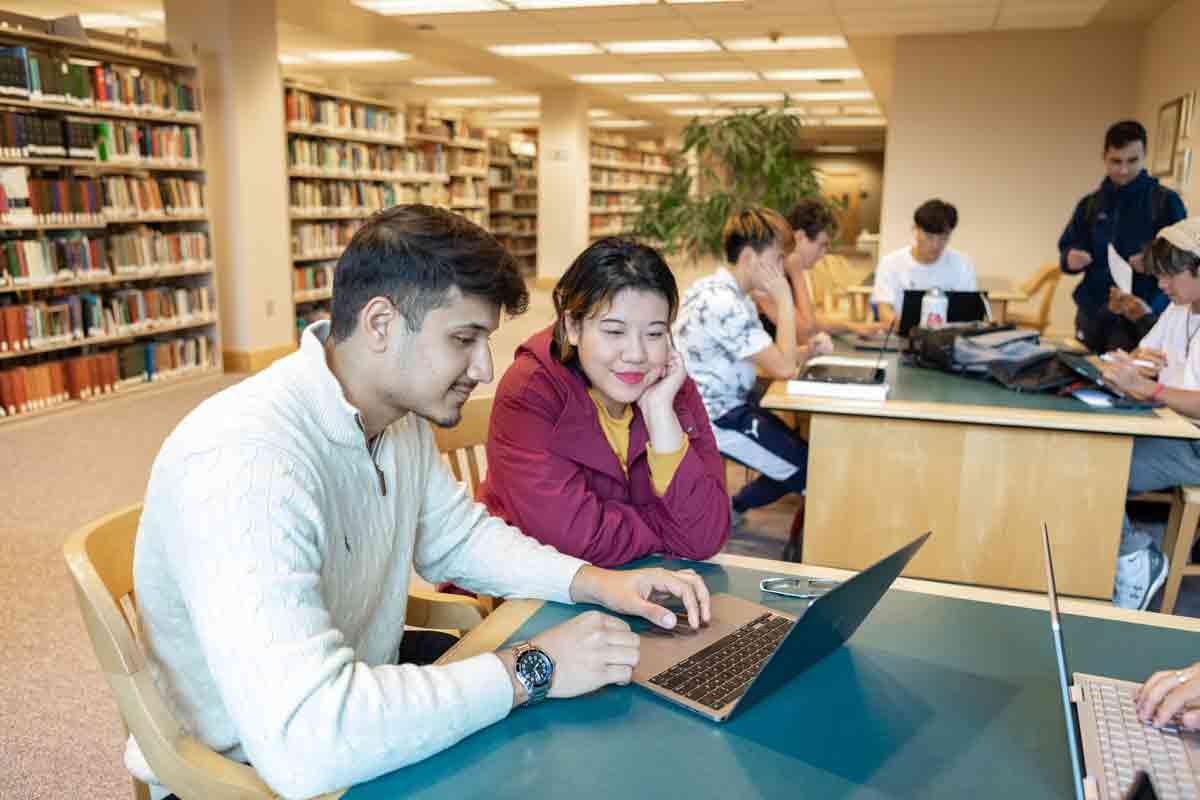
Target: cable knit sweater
272	569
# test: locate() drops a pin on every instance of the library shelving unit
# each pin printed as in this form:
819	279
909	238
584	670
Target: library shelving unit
107	281
524	212
619	171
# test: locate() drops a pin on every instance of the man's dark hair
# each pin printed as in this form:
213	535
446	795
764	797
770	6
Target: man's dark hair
1125	132
598	274
811	216
414	255
1163	258
757	228
936	216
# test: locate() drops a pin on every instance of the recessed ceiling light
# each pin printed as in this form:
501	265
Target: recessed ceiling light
861	111
812	74
620	123
747	97
157	17
836	148
664	98
663	46
598	113
515	100
112	21
455	80
536	4
825	111
700	112
357	56
856	122
617	77
288	59
398	7
517	113
832	96
465	102
727	76
786	43
697	2
545	49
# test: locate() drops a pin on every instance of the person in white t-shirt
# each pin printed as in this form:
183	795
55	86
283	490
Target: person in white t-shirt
927	263
1169	372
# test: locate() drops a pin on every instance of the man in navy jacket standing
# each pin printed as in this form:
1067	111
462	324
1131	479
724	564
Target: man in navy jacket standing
1127	211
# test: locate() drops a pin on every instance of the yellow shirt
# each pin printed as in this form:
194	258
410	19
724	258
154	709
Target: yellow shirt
616	431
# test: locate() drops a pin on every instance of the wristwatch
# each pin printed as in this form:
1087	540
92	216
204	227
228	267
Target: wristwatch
534	669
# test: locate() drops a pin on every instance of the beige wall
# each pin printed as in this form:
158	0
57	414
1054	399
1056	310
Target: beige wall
1170	68
1008	127
868	167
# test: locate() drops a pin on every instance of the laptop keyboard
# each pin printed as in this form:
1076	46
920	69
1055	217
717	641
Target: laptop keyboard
1127	745
721	672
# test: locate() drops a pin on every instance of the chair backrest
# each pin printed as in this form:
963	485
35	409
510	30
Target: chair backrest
1044	281
100	560
463	445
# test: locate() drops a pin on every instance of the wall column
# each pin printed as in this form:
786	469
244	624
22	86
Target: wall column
235	44
563	183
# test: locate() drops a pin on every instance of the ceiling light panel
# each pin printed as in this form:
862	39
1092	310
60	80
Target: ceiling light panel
664	98
532	5
725	76
856	122
517	113
617	77
662	46
113	21
832	96
406	7
812	74
747	97
700	112
762	43
288	59
455	80
356	56
620	123
545	49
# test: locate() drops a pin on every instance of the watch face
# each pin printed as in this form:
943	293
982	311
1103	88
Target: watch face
536	666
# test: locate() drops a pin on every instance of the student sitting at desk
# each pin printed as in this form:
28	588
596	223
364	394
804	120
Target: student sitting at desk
285	515
928	263
814	225
598	442
724	346
1170	373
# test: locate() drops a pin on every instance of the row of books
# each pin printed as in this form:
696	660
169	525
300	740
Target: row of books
52	78
74	255
313	276
26	134
62	320
322	238
467	159
341	116
126	196
350	158
41	201
469	190
627	180
348	197
29	389
145	143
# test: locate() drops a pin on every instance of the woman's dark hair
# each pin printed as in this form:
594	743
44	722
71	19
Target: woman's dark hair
936	217
758	229
598	274
812	216
1163	258
414	255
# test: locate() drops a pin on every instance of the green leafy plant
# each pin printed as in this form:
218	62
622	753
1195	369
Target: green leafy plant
742	160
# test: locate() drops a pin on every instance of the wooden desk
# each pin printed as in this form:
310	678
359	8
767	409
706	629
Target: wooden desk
979	465
860	297
944	692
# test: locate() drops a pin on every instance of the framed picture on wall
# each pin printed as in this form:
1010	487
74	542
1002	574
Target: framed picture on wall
1170	117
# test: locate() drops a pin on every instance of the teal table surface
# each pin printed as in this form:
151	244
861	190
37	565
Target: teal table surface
932	698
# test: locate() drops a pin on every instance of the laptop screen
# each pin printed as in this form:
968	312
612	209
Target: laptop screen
1064	676
961	307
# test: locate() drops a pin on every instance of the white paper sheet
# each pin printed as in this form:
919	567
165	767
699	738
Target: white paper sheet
1122	273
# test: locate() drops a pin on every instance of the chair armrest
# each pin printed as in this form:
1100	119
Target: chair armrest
443	611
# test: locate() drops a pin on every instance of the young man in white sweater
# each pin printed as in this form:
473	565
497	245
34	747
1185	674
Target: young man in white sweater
284	515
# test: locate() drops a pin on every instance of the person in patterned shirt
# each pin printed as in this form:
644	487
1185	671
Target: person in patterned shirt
724	346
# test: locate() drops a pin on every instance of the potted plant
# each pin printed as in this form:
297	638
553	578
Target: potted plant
745	159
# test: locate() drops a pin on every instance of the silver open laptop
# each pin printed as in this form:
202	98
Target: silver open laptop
749	650
1116	745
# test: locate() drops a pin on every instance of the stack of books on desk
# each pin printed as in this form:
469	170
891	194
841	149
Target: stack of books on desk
843	378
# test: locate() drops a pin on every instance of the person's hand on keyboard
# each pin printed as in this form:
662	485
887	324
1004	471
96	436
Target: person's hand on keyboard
630	591
1171	697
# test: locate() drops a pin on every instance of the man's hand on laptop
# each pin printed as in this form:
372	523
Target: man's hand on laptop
1120	372
1171	696
1148	355
629	591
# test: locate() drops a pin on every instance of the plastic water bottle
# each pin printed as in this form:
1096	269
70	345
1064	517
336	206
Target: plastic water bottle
934	307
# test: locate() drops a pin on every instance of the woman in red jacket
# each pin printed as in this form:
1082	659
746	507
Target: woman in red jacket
598	442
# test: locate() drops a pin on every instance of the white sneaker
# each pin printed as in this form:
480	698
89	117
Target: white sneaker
1139	575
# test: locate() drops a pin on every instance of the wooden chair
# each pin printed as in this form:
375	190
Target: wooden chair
1043	282
100	560
1178	541
463	445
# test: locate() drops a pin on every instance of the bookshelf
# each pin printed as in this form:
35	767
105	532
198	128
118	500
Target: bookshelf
107	281
620	170
512	184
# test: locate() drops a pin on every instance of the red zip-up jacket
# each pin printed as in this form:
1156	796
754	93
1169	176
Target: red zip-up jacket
552	473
